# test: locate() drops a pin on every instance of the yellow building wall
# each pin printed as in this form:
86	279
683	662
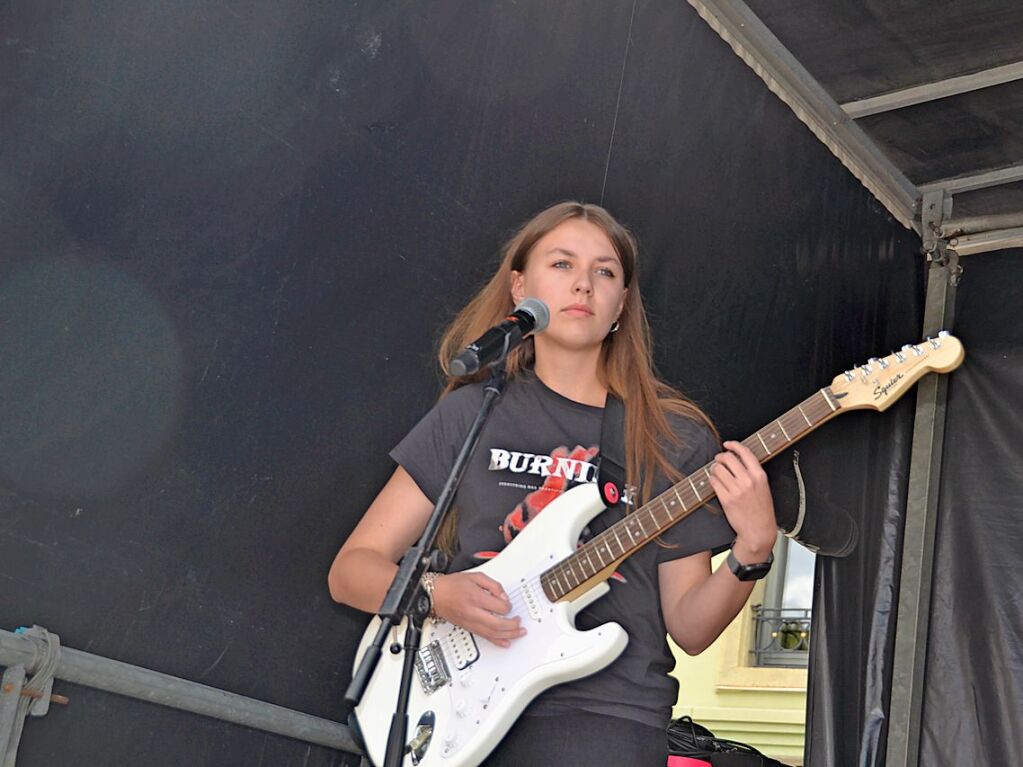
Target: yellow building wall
763	707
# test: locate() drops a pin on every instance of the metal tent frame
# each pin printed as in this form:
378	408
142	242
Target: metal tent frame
927	209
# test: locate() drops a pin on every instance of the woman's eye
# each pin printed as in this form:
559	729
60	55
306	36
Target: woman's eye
562	264
606	272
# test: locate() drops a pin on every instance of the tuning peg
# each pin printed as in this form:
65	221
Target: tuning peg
900	356
849	376
916	350
943	334
934	342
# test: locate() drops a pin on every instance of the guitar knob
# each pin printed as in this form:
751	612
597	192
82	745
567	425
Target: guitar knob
460	708
465	679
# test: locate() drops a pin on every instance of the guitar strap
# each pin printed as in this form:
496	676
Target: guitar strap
611	474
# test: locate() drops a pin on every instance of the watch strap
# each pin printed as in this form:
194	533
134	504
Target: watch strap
751	572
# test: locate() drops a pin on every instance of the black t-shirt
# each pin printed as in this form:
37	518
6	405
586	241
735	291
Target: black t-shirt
536	445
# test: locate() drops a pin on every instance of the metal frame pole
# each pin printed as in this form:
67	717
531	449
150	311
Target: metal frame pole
985	242
913	617
153	687
756	45
921	94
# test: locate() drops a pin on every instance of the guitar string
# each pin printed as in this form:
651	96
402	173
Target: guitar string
562	570
518	602
517	596
564	573
817	405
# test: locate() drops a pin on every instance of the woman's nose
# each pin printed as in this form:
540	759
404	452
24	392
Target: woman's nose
582	285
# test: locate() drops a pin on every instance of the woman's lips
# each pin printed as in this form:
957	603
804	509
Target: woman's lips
578	310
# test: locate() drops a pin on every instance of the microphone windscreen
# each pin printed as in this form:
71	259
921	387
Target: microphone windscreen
538	309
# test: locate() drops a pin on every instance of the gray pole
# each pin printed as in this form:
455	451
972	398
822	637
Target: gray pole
913	618
153	687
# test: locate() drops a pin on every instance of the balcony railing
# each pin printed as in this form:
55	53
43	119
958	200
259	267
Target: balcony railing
782	636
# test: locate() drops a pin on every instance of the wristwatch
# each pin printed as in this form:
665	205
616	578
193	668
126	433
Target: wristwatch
749	572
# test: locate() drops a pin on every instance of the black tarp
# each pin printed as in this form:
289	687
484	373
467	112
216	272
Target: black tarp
973	683
230	234
856	597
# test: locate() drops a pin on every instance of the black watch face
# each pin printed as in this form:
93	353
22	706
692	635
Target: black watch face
753	572
750	572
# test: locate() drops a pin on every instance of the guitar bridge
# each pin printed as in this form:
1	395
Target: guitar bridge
432	668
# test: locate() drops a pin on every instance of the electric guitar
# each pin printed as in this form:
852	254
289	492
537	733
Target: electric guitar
469	692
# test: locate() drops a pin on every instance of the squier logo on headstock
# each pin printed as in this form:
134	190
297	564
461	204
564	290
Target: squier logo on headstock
882	390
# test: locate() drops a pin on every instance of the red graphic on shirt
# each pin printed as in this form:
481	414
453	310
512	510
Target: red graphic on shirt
531	506
552	487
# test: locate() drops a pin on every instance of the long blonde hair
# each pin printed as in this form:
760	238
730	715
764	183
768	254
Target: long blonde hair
625	367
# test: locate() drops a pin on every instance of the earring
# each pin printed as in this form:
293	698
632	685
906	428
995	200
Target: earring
615	326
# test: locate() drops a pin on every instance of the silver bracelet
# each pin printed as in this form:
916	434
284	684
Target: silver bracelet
427	582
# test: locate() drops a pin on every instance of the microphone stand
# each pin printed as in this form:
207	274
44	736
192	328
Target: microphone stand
405	597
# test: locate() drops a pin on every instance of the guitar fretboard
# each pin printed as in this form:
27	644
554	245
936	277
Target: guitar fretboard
628	535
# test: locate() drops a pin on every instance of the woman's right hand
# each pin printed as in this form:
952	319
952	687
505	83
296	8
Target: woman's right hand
477	603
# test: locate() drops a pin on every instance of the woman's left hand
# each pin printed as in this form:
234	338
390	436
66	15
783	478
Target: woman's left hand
741	485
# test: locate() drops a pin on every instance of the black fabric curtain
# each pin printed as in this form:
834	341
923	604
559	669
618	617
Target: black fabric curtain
973	700
855	597
973	683
230	235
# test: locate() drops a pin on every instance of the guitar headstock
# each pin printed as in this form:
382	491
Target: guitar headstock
879	382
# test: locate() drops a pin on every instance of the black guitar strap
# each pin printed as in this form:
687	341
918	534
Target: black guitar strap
611	475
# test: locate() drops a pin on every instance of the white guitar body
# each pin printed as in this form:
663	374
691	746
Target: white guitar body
480	688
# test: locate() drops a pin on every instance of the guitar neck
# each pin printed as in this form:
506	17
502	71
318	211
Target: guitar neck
595	560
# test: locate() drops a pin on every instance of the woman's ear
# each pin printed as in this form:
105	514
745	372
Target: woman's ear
518	280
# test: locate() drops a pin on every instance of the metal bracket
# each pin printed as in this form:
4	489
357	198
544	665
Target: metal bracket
932	214
40	705
23	695
937	207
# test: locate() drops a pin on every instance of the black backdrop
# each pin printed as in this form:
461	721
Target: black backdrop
973	699
230	234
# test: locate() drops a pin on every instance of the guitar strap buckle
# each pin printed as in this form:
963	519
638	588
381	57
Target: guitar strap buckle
611	473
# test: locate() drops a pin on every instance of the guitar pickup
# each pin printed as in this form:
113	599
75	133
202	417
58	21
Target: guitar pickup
462	645
432	668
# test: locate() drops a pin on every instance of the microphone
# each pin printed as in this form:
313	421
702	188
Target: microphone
530	316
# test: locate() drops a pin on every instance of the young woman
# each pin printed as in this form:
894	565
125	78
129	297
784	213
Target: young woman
543	436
